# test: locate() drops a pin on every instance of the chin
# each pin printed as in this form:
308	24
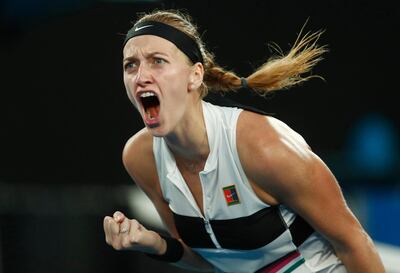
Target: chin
156	130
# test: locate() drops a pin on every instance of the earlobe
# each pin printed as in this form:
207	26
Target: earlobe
194	85
190	87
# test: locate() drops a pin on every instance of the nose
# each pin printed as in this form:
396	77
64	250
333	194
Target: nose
143	75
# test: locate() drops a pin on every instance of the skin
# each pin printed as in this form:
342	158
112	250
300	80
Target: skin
267	149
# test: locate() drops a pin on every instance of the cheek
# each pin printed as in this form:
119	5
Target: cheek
127	82
132	100
129	94
178	86
178	77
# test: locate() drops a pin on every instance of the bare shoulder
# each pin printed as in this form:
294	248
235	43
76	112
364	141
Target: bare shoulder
256	128
139	161
260	133
141	142
273	155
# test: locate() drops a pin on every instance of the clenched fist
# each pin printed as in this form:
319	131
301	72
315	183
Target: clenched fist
128	234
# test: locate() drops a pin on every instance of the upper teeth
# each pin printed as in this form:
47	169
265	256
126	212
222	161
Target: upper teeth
147	94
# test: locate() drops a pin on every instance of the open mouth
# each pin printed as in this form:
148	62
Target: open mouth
151	105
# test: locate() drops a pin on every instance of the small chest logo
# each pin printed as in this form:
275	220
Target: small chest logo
231	195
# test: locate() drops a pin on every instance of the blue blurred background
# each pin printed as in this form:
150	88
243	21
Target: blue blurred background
64	117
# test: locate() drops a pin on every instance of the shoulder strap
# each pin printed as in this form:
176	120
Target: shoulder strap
223	100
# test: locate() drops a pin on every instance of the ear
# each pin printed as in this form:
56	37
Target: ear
196	77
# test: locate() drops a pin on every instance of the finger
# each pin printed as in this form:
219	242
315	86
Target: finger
128	230
113	227
125	233
124	226
134	231
107	228
119	216
105	223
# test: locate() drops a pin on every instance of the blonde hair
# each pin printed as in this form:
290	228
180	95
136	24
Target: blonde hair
278	72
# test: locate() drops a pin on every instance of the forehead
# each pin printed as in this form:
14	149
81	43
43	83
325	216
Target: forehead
149	43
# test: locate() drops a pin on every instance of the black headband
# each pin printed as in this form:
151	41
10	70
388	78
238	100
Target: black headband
181	40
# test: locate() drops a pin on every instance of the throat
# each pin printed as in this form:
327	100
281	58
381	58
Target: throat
190	155
190	166
189	142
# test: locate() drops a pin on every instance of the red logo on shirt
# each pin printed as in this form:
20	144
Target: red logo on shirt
231	195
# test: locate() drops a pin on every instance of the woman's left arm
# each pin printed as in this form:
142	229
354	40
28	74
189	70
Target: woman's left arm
279	161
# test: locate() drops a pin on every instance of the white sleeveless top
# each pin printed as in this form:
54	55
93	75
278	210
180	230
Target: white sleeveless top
238	232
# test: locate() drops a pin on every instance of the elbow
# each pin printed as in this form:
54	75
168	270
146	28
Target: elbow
357	241
359	254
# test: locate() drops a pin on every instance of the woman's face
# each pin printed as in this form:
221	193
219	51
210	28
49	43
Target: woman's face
158	79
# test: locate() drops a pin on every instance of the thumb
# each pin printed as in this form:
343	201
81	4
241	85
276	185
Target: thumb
119	217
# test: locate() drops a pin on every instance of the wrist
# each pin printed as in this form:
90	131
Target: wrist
162	249
171	250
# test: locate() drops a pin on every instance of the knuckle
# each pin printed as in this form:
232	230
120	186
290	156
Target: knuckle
116	213
134	239
117	246
134	223
126	243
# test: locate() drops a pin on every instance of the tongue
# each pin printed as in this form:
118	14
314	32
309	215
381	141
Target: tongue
152	111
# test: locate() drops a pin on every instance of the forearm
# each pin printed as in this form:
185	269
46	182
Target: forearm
361	256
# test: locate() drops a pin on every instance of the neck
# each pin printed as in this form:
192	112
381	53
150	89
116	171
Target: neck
189	140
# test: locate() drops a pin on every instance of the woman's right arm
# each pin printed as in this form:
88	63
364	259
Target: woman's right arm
128	234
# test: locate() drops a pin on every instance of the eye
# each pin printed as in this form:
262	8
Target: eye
128	66
159	60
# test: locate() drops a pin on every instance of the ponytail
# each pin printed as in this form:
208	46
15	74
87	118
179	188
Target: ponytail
279	72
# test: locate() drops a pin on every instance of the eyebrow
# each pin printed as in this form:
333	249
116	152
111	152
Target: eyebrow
147	55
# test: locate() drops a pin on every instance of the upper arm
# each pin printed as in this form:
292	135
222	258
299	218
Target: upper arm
139	162
280	162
